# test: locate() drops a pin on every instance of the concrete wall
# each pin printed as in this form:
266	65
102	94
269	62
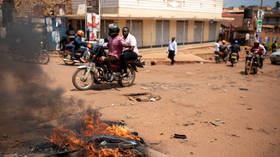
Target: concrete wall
172	28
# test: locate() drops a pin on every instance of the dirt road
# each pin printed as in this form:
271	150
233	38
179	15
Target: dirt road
222	112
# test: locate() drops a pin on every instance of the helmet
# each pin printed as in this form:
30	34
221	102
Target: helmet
224	42
236	41
89	46
80	33
114	30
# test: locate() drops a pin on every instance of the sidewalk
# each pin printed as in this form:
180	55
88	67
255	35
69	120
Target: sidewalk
185	54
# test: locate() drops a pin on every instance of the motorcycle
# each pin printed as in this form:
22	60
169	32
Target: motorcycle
233	58
221	56
65	52
251	63
97	72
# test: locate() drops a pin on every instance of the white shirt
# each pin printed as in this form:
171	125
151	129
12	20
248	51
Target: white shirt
247	36
172	46
216	47
131	41
264	50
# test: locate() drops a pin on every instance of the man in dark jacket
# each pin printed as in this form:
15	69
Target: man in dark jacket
235	48
80	45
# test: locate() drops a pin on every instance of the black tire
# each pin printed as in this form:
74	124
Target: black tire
76	77
247	67
130	78
273	62
255	70
217	59
43	57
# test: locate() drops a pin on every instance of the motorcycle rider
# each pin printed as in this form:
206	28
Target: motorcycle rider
257	49
224	49
235	48
80	45
115	46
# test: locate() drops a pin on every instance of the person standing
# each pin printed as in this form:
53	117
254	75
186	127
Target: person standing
172	50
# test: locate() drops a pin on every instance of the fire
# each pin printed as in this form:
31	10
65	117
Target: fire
92	127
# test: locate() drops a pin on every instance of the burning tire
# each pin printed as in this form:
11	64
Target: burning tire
129	79
83	79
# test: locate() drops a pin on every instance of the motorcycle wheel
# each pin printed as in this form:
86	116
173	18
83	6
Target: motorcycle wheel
232	62
43	57
80	82
255	70
128	80
247	67
217	59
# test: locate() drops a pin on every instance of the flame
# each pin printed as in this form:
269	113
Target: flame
92	126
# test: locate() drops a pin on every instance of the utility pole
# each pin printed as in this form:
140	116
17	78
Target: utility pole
261	4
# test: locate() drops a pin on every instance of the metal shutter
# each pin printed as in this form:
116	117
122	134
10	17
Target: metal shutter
162	33
136	29
212	31
198	31
182	32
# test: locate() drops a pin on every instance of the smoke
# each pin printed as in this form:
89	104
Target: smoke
26	101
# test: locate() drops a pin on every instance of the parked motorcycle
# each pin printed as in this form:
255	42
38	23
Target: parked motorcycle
233	58
252	63
97	72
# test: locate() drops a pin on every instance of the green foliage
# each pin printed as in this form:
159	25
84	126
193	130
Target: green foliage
269	47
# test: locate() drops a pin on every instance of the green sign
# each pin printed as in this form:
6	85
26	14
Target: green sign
259	26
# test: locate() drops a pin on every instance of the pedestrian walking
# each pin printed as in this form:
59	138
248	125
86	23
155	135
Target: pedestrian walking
172	50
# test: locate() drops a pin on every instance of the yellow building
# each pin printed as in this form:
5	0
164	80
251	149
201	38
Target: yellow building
154	22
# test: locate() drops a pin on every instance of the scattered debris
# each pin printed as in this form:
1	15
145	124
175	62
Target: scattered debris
249	108
155	143
161	133
249	128
180	136
234	135
243	89
215	124
153	63
191	153
188	124
129	116
113	104
243	97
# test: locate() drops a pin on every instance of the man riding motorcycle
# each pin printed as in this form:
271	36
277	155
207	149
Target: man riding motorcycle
235	48
115	45
257	49
224	49
80	45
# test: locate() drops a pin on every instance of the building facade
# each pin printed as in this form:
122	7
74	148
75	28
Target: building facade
154	22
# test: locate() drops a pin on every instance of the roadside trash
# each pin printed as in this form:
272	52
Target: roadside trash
214	124
188	124
180	136
152	99
249	108
243	89
233	135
